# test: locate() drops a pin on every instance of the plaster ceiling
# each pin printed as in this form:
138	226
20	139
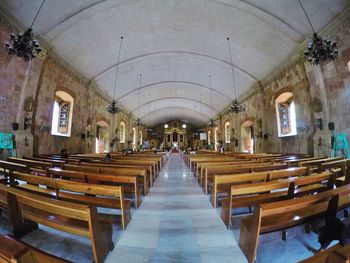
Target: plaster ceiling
175	45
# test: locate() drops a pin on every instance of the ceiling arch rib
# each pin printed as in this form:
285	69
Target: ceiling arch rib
173	81
256	11
148	104
147	55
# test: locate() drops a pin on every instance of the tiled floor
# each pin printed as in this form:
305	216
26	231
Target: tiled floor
176	223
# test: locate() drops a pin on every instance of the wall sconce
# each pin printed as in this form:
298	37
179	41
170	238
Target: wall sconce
27	122
318	123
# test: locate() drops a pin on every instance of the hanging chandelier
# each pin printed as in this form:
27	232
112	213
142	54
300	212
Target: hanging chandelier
113	106
319	49
236	107
149	130
212	123
138	122
23	44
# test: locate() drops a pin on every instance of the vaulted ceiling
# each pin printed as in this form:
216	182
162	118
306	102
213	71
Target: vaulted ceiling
175	45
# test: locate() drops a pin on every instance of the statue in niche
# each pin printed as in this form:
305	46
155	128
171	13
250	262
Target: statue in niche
28	104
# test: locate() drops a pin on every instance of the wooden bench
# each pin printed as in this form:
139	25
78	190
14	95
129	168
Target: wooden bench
340	167
13	250
313	164
253	194
129	183
54	162
139	172
149	168
76	192
35	166
334	254
69	217
222	183
270	217
210	171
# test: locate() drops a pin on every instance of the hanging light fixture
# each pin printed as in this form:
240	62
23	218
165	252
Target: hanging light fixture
319	49
23	44
212	123
200	130
236	107
149	130
138	121
113	107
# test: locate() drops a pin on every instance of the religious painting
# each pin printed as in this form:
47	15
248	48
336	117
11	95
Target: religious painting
340	146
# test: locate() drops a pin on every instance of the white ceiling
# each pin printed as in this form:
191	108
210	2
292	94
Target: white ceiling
175	45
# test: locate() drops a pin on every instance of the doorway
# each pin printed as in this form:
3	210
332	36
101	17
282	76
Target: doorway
247	135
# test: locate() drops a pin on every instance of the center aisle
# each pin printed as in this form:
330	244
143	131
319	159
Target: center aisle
176	223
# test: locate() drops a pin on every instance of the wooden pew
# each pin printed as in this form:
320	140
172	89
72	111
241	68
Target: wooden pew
35	166
13	250
237	169
334	254
295	162
54	162
222	183
149	169
313	164
129	183
84	193
69	217
253	194
340	167
202	165
270	217
8	167
139	172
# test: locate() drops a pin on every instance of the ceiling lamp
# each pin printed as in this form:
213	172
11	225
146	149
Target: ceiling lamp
138	121
166	126
113	107
236	107
184	126
22	44
319	50
149	130
212	123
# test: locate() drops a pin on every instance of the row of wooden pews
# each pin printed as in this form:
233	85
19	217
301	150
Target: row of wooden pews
64	194
282	191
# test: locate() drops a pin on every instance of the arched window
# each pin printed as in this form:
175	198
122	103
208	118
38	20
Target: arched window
141	139
216	143
122	132
286	119
209	134
227	132
349	65
62	114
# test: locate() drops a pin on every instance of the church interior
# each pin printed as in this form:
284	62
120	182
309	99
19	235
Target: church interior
174	131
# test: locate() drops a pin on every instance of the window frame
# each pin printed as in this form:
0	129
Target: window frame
61	97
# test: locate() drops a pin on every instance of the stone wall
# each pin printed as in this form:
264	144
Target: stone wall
320	92
28	89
